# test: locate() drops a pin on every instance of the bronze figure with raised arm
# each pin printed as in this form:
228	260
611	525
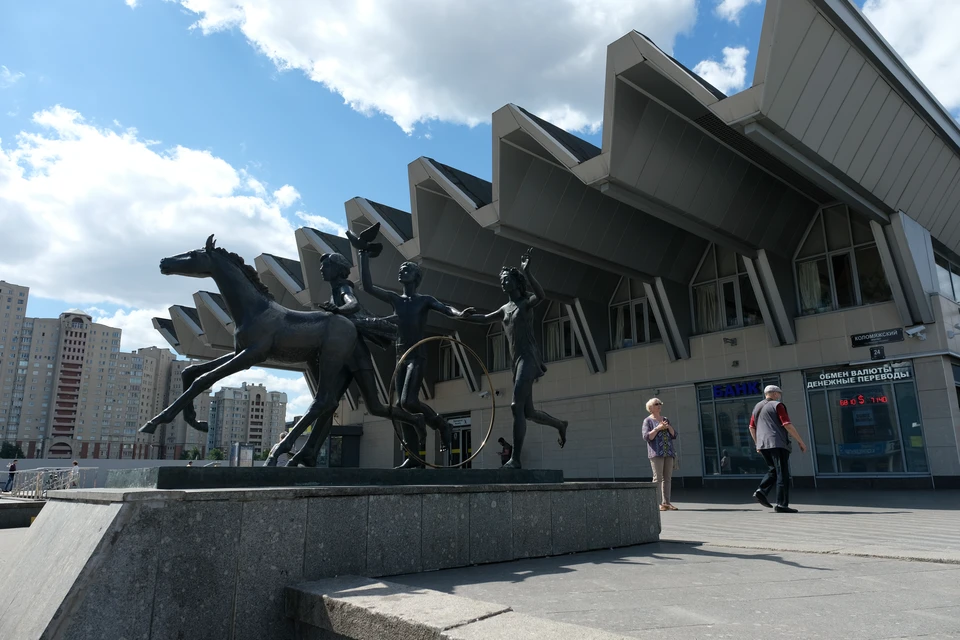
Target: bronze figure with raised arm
411	310
519	328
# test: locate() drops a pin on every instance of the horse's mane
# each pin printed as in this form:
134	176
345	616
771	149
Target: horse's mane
247	270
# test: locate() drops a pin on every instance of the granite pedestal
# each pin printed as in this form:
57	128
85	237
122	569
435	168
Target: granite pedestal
156	564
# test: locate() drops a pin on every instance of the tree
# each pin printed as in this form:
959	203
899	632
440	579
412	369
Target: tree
11	450
263	455
192	454
215	454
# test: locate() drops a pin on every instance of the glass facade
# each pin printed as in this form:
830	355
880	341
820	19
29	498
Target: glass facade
725	409
866	420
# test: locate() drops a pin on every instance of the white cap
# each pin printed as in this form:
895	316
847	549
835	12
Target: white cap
771	388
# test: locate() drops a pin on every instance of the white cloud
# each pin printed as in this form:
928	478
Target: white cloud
923	33
420	60
286	196
322	224
136	326
730	9
727	76
293	384
9	78
87	213
131	3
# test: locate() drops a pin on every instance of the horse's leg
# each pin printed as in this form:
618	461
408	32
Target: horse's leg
187	376
308	454
243	360
286	444
321	410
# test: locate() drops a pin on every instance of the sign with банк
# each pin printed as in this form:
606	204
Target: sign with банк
738	389
876	337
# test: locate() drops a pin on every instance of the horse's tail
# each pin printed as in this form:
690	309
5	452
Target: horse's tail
376	330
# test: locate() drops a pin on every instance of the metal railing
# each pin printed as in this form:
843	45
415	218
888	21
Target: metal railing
35	483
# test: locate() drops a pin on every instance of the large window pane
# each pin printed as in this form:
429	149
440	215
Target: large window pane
748	303
912	430
843	280
955	276
814	282
654	327
640	321
708	269
730	315
838	228
865	429
726	262
738	453
813	244
621	330
873	281
708	432
706	308
943	277
822	442
861	229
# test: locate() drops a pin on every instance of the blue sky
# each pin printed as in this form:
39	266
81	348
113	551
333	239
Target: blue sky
144	67
130	129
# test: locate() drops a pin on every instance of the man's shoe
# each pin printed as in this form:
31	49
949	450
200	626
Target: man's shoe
762	499
780	509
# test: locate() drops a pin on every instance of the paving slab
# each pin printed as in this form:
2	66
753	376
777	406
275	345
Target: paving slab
681	591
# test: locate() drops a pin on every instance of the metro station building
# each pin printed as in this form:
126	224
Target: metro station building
803	232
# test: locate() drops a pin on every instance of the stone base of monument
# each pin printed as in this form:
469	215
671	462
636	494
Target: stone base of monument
199	563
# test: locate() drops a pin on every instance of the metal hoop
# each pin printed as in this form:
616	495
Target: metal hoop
393	389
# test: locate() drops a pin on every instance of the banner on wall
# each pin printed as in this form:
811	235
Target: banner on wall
831	378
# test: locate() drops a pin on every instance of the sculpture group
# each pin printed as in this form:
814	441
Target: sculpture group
333	342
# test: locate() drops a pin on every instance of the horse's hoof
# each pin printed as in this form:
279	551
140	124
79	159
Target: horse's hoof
201	425
150	427
270	462
512	464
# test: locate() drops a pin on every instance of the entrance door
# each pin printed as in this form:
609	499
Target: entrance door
461	441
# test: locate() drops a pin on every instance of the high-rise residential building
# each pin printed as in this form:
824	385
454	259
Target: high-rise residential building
178	437
249	414
68	391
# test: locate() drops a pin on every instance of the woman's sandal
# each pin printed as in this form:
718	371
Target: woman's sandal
671	507
664	507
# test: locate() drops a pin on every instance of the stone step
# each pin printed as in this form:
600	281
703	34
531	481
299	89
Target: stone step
354	608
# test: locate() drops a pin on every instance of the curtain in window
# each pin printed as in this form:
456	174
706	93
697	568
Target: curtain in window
498	346
706	308
554	342
808	276
618	327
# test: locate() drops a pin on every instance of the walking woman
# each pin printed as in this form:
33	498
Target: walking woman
660	437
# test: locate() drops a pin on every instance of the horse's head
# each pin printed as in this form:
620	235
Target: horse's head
195	264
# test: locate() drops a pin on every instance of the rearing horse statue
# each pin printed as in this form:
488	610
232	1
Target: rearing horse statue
264	330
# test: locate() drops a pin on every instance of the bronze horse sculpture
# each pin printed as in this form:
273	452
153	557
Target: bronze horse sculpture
264	330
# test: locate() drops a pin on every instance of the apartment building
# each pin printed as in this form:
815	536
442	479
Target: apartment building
249	414
178	437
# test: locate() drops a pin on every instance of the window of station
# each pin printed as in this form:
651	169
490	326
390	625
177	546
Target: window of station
723	297
948	276
725	410
497	358
838	264
449	365
866	420
631	319
559	339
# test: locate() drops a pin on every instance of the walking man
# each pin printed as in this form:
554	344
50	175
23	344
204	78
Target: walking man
771	430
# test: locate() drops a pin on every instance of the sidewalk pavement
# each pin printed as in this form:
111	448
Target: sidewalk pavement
849	587
916	525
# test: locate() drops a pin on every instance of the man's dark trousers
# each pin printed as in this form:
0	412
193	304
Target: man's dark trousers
778	461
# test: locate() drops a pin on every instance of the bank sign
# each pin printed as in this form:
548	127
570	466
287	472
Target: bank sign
738	389
893	372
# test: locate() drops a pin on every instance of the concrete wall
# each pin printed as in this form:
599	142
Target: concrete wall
606	410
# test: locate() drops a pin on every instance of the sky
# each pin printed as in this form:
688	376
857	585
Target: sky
130	130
